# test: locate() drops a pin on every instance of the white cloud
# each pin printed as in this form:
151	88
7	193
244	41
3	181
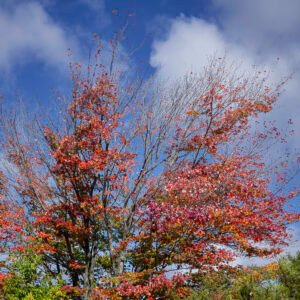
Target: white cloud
292	249
268	29
190	43
27	32
97	5
273	24
250	33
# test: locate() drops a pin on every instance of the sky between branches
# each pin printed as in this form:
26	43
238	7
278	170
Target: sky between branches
174	37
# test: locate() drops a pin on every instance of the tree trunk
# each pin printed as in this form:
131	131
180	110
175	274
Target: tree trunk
118	264
88	278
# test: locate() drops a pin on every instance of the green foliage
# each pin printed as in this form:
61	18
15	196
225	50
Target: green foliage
28	281
272	282
279	281
253	283
289	275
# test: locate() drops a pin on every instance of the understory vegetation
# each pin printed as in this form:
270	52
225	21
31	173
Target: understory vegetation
275	281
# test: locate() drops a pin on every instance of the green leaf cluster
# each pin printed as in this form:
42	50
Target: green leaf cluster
28	281
254	283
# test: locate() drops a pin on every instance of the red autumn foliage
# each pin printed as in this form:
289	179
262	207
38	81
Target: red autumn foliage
137	196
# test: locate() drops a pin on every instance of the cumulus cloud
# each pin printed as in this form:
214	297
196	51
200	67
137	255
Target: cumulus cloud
270	24
189	44
265	33
28	32
292	249
257	32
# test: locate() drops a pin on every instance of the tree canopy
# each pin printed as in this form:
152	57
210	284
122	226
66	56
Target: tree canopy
140	189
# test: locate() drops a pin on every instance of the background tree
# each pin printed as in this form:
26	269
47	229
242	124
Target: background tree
141	182
27	280
277	280
289	274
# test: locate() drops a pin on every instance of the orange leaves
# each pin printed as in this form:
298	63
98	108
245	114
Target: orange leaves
45	248
189	194
50	138
136	286
222	202
262	107
74	291
221	114
123	139
192	113
12	224
75	265
115	12
3	278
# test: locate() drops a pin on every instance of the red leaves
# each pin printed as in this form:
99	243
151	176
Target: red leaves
192	113
86	150
3	278
222	203
75	265
73	290
157	286
12	222
189	199
220	115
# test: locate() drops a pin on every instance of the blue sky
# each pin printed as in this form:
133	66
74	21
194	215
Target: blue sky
173	37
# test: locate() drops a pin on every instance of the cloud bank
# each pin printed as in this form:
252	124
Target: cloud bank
27	32
264	33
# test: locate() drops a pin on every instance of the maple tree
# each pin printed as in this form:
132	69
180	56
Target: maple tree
141	190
